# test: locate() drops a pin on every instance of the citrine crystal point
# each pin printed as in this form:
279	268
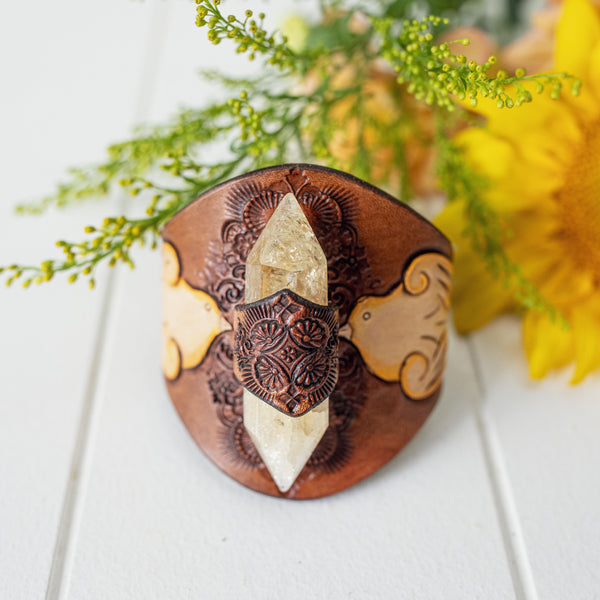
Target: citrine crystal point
284	443
287	255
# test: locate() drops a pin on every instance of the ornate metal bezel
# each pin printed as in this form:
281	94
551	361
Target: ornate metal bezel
285	351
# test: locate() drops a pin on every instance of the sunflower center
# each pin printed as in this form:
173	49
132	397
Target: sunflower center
580	201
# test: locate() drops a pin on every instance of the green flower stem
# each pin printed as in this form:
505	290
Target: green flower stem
485	229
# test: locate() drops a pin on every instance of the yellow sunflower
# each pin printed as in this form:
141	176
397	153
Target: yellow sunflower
542	162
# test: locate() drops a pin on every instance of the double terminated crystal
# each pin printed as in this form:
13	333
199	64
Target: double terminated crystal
287	255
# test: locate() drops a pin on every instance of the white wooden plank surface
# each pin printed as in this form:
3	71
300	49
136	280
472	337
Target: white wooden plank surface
164	522
65	93
548	433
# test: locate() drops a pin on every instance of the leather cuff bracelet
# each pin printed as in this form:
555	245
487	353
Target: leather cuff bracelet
304	327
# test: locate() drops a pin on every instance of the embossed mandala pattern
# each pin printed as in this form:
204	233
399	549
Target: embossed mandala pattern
331	213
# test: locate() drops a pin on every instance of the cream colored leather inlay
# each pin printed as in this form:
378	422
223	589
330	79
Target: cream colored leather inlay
402	336
191	319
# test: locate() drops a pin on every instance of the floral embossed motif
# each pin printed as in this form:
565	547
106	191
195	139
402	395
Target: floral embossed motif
267	334
308	333
311	371
271	375
286	351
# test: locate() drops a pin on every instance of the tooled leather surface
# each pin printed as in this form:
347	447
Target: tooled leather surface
285	351
369	241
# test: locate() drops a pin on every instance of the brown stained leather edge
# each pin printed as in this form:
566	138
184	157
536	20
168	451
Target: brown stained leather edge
319	169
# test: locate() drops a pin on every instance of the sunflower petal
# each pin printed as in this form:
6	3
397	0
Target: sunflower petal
577	34
477	296
487	153
593	81
547	345
540	134
586	327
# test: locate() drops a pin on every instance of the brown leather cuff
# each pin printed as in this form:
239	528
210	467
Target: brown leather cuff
285	351
389	274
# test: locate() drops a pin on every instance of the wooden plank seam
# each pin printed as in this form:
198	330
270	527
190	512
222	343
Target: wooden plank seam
508	517
66	537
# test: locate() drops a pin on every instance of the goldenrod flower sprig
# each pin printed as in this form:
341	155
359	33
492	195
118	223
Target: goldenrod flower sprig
438	76
111	241
273	120
247	33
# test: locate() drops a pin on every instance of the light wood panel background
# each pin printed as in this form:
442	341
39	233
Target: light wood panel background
103	494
